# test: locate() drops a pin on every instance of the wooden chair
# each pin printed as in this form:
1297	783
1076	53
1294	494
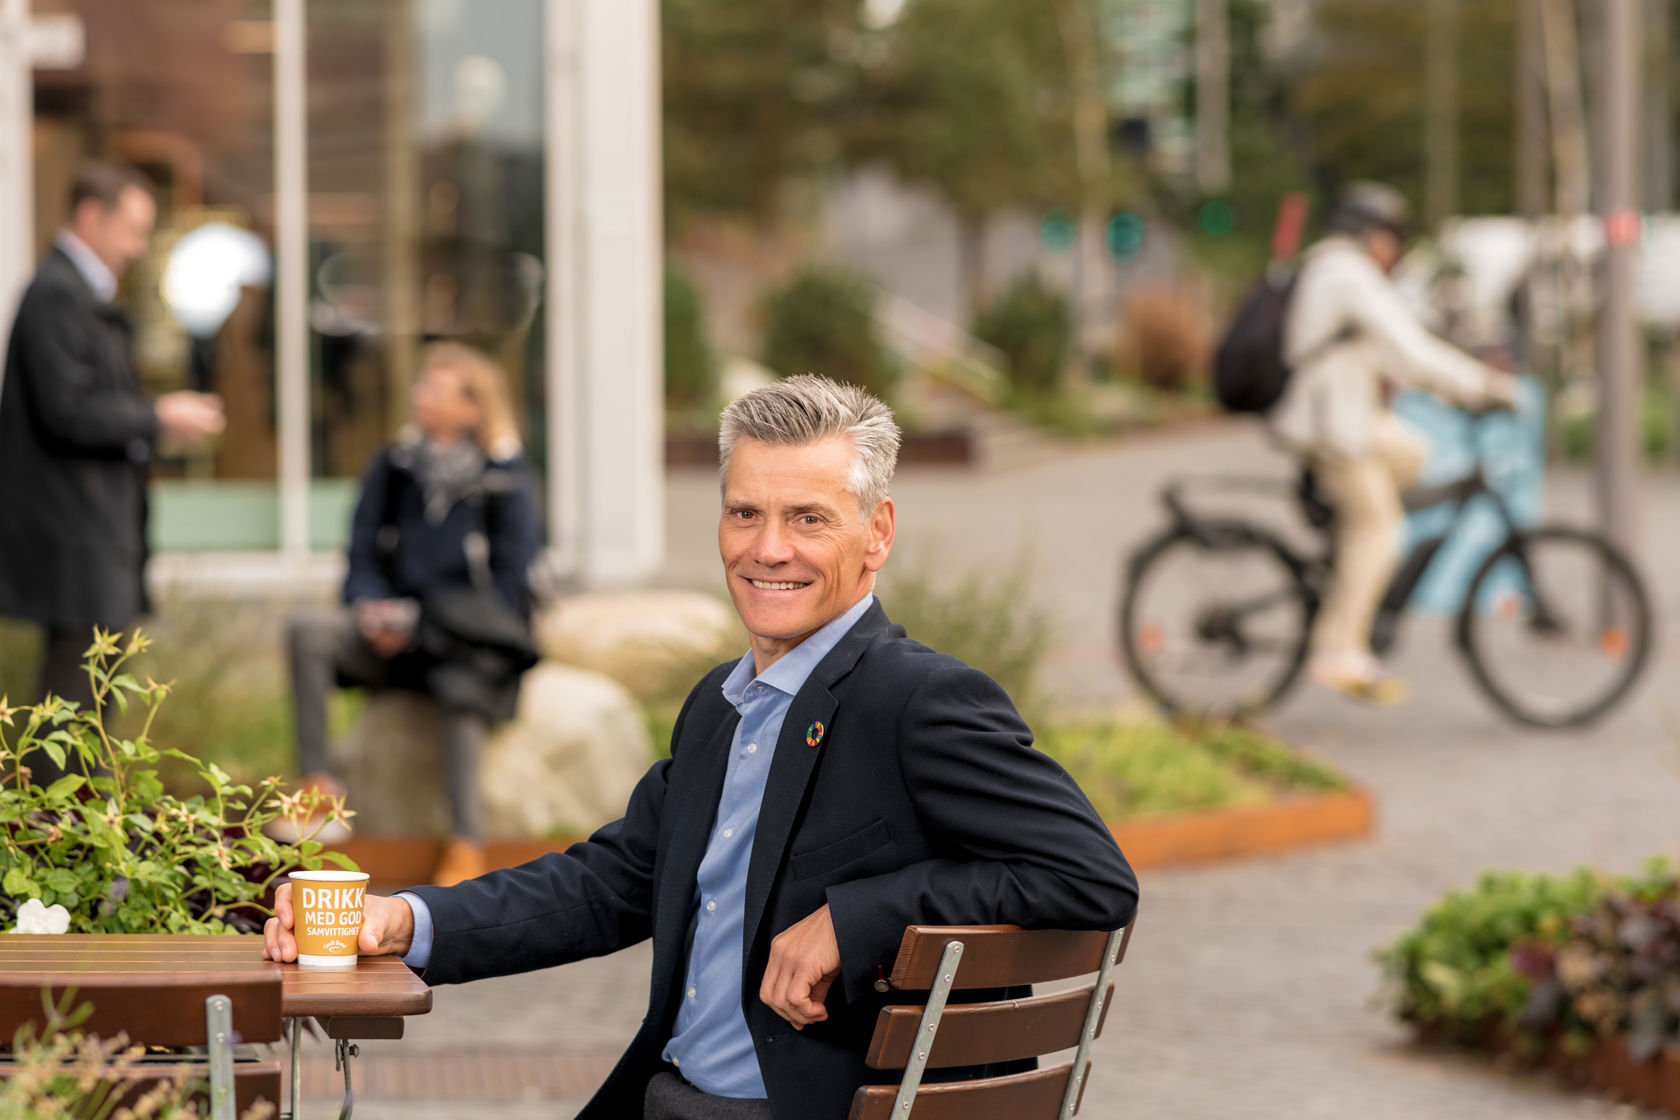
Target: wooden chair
209	1005
917	1037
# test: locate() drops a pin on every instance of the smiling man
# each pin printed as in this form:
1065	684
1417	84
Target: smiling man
834	785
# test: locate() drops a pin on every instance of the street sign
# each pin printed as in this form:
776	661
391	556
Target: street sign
56	41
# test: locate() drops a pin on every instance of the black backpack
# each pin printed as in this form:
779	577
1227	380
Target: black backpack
1249	373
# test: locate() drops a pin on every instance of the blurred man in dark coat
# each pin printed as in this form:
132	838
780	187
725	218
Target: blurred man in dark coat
76	434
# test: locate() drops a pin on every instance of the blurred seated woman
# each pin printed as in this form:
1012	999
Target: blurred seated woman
436	598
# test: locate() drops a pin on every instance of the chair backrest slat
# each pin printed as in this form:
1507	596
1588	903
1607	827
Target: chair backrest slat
157	1009
1037	1093
975	1034
997	956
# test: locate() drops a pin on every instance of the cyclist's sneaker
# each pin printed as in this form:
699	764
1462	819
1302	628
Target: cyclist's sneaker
1358	678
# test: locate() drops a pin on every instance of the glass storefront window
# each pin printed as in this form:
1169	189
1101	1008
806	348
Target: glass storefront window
425	151
426	218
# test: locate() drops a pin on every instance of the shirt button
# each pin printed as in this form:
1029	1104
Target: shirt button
711	904
691	993
752	748
729	834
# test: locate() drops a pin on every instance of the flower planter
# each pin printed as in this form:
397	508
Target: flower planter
1609	1069
1207	836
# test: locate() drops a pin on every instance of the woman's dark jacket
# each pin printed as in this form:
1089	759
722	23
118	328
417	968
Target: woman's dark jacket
473	636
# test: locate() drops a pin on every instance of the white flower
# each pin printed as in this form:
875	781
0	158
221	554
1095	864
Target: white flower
32	917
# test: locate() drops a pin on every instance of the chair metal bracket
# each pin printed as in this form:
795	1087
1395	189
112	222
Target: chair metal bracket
928	1030
218	1021
1093	1016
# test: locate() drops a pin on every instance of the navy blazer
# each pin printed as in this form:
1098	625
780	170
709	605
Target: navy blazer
924	801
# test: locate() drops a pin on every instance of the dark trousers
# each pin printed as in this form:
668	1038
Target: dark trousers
61	675
669	1097
324	647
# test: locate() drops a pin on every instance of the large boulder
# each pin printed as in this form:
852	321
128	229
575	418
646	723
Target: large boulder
652	642
565	765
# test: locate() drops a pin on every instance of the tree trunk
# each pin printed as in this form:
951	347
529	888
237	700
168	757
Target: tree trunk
971	262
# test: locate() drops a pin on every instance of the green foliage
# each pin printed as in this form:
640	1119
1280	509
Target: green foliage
984	619
823	322
972	99
755	96
1468	969
1151	768
60	1073
690	369
1032	324
108	842
1267	759
1618	975
1363	101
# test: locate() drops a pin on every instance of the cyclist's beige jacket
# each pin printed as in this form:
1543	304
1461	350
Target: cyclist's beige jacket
1335	396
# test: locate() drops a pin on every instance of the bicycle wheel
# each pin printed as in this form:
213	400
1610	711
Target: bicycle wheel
1556	627
1215	624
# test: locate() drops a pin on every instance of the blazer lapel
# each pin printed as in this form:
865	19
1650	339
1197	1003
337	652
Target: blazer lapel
702	769
796	761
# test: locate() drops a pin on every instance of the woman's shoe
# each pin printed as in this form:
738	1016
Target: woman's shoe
462	859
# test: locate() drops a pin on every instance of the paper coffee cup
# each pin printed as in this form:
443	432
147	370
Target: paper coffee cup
327	916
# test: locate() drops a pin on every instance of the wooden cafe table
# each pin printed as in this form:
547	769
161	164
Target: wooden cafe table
367	1002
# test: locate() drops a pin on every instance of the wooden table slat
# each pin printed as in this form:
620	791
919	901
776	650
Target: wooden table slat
377	988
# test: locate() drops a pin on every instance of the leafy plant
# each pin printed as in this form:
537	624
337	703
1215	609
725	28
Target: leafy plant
823	322
1135	769
1468	970
690	371
109	844
985	619
63	1074
1032	324
1166	338
1618	974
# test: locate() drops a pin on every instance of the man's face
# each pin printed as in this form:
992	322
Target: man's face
796	553
1384	247
117	235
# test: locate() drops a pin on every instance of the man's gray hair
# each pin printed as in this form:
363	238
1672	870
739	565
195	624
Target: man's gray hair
806	409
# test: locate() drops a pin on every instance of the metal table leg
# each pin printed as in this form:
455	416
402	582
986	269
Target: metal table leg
341	1060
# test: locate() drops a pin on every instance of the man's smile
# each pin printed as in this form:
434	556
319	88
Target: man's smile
776	585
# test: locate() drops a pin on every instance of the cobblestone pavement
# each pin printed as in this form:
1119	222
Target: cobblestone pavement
1249	989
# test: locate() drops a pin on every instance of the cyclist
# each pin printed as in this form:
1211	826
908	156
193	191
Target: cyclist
1352	339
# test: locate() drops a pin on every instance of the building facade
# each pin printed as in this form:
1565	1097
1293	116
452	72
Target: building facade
340	182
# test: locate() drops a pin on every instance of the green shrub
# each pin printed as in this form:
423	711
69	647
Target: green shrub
1032	324
1468	969
690	370
985	619
108	843
823	322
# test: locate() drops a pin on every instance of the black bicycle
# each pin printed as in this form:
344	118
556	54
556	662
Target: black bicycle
1214	619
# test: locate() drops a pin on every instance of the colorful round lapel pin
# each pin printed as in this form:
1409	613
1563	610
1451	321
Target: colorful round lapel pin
813	734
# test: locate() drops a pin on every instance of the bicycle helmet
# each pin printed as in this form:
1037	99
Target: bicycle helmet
1367	206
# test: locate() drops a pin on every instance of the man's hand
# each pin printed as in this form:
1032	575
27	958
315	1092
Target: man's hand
804	960
387	927
189	416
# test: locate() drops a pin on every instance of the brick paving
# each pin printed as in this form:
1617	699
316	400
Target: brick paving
1249	990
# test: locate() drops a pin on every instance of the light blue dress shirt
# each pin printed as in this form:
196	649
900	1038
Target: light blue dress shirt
711	1043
